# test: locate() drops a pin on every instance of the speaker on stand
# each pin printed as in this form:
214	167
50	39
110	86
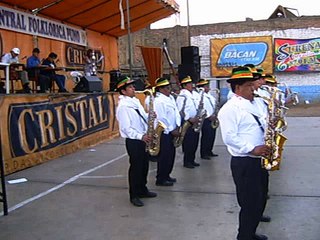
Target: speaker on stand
190	63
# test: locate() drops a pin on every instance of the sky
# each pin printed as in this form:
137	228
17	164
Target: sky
218	11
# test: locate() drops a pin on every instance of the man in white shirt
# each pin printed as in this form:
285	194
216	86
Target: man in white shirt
242	129
188	106
13	57
168	113
133	126
208	133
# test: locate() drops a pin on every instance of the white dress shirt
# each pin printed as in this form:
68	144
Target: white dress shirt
240	131
191	104
131	124
167	111
209	103
7	58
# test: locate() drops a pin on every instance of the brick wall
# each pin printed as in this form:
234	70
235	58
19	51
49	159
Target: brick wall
302	27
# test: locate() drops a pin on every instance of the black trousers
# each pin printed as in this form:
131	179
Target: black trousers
208	135
139	167
166	157
249	180
190	145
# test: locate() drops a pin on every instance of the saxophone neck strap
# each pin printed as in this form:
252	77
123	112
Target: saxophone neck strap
258	121
141	116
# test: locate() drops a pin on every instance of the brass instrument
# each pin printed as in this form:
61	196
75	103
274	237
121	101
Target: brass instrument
215	123
292	95
177	141
153	147
275	126
201	112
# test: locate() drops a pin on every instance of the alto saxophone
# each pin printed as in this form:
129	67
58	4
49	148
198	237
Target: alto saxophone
153	147
177	141
275	126
215	123
201	113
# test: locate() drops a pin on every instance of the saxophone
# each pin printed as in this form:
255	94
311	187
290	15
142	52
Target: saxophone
201	113
273	133
292	95
153	147
215	123
177	141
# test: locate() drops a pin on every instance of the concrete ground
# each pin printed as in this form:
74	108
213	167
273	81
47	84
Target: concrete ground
84	196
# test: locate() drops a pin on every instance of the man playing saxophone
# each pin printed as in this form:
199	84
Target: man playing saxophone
133	127
168	113
189	104
243	135
208	133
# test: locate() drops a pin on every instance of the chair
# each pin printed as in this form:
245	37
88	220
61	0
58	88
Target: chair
14	70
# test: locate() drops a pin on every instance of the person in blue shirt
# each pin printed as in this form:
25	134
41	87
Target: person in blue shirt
33	69
50	72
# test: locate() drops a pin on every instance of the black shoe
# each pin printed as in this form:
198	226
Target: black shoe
188	165
136	202
148	195
164	183
170	179
260	237
213	154
195	164
26	88
206	157
265	218
63	90
153	159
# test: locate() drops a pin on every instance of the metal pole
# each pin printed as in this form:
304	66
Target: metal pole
129	39
188	23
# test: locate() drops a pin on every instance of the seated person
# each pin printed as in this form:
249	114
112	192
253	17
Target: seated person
59	79
13	57
33	62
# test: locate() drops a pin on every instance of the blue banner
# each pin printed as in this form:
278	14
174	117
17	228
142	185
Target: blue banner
39	126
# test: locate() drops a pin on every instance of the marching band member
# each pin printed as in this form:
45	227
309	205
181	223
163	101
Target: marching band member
133	127
188	104
208	133
168	113
242	128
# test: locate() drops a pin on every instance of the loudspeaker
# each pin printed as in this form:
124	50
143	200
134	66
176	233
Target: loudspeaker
190	55
88	84
192	70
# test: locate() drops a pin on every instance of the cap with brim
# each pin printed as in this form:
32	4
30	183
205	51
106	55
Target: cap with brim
253	69
16	50
147	86
202	82
242	74
270	78
162	82
186	80
260	70
124	82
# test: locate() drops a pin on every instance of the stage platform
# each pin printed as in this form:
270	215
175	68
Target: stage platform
84	196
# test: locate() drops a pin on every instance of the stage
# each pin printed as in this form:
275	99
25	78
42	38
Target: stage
40	127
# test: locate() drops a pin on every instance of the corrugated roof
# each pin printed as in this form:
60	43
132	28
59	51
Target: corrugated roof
103	16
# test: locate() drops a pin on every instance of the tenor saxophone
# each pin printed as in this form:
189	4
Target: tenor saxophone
153	147
201	113
273	137
177	141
